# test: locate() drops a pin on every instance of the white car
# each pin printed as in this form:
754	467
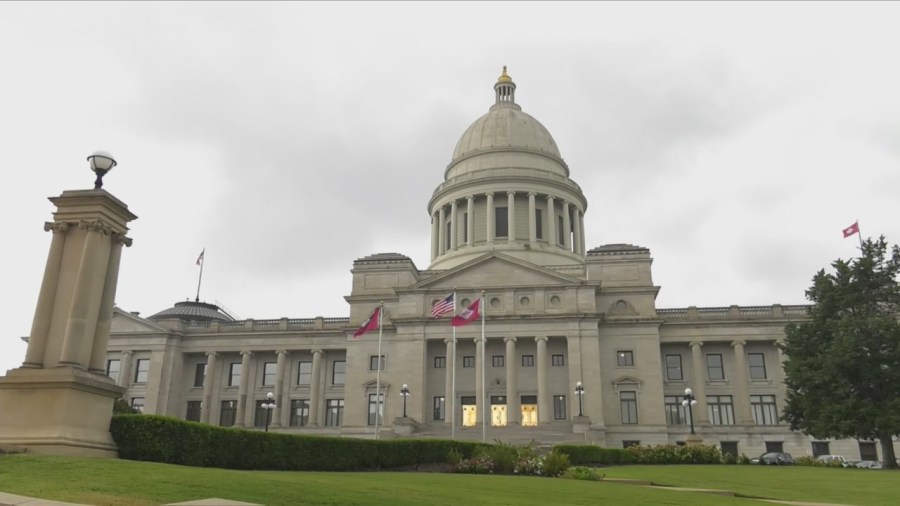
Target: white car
833	460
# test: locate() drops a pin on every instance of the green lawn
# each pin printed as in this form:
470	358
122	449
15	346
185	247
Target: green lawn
103	482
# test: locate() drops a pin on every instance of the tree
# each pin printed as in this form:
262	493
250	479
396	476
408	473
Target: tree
842	366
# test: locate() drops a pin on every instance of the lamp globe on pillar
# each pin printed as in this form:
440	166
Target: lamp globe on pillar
269	405
579	391
689	402
101	163
404	392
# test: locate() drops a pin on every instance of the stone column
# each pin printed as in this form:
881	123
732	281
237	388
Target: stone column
449	394
698	383
542	377
567	227
208	386
581	228
125	370
84	311
454	210
40	326
741	386
107	301
280	396
532	219
490	217
511	215
435	232
512	387
442	232
576	213
470	220
479	377
242	392
551	221
315	387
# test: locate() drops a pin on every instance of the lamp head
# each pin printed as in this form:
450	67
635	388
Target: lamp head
101	163
270	396
688	391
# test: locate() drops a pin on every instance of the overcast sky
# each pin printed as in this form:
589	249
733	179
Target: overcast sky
735	140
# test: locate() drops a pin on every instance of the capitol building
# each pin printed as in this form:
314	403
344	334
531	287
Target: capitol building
574	347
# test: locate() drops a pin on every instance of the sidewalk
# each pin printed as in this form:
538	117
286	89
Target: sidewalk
19	500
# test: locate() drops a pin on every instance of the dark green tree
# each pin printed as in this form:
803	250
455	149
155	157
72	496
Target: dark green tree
842	367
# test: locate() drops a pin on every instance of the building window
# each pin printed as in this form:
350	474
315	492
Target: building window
269	373
676	414
234	374
538	224
228	413
440	362
527	360
376	407
465	228
304	373
714	369
374	363
299	412
628	406
557	360
497	361
560	231
720	409
867	450
193	411
439	408
469	361
629	443
143	370
200	375
334	412
501	223
729	448
764	409
137	404
820	448
338	375
673	368
757	366
625	358
262	414
113	367
559	407
774	446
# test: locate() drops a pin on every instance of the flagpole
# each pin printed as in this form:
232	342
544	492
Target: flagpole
859	236
452	399
202	261
378	370
484	400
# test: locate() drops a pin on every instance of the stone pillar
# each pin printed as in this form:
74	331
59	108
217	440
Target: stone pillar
442	232
532	219
242	392
542	377
512	387
104	320
698	383
581	228
40	326
567	227
490	217
741	386
315	387
511	216
435	231
479	378
576	214
208	386
551	221
280	398
125	370
470	220
449	394
453	223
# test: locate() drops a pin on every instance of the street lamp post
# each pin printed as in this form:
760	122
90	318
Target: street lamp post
579	391
404	392
101	163
269	405
689	402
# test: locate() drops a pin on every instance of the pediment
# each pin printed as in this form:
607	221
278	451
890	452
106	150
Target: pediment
496	269
627	380
124	322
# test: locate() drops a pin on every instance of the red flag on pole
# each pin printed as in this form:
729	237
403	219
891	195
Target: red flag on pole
468	315
370	324
852	229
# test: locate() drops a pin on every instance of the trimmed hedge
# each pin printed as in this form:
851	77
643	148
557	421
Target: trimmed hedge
584	455
581	455
174	441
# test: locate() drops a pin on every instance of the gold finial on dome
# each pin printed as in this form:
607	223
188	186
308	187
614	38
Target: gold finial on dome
504	77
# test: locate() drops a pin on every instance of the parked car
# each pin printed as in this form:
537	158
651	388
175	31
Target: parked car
868	464
775	459
833	460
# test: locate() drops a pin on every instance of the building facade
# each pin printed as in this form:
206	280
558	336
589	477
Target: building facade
508	226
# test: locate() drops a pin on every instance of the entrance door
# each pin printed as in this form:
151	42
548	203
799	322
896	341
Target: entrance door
529	411
498	410
469	411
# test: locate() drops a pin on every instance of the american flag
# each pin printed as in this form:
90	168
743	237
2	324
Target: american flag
443	307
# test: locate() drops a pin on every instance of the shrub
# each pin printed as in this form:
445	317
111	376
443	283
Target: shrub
583	473
556	464
671	454
581	455
806	460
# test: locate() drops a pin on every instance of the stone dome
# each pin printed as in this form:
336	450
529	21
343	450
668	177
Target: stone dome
193	311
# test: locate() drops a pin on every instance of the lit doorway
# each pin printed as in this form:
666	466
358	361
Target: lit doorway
529	411
498	411
469	411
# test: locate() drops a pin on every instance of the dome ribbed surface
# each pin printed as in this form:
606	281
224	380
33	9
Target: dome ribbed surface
192	311
505	128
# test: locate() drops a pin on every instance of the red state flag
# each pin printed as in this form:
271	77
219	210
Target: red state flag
852	229
468	315
370	324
